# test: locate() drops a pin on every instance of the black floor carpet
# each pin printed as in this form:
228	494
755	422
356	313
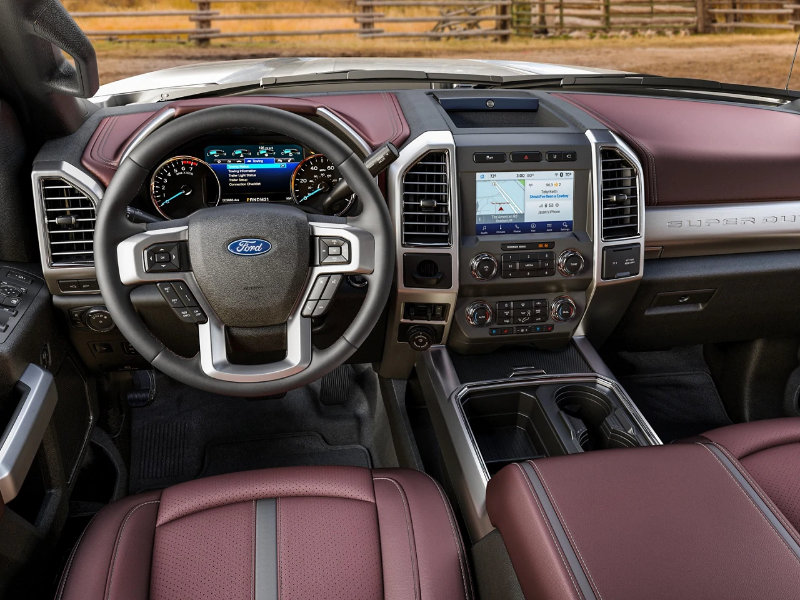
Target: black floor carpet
185	433
673	389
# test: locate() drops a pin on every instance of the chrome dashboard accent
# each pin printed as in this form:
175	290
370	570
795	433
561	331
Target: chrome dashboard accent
151	126
93	190
701	230
602	138
441	141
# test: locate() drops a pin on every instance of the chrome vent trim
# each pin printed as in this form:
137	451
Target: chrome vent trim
619	188
69	220
426	218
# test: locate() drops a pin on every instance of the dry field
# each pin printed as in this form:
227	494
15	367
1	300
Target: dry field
757	59
748	59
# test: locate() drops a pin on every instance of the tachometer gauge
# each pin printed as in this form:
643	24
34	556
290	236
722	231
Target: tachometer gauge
182	185
313	179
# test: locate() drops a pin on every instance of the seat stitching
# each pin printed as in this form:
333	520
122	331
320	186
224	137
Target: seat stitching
756	487
63	584
567	530
465	573
412	545
253	552
749	499
117	542
550	529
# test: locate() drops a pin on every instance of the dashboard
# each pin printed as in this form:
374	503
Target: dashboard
512	225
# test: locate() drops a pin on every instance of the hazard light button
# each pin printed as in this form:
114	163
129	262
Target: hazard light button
522	157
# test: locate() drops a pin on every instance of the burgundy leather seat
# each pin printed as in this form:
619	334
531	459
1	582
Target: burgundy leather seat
716	519
291	533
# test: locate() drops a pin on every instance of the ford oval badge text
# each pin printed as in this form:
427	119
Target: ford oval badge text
249	247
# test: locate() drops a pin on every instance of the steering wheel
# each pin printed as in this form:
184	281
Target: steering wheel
256	266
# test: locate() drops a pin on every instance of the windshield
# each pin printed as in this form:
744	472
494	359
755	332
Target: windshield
706	39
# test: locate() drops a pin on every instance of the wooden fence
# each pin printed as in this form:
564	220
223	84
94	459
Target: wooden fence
436	19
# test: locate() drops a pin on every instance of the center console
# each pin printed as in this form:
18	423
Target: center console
519	404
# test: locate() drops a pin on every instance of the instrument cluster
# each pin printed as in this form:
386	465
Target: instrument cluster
211	174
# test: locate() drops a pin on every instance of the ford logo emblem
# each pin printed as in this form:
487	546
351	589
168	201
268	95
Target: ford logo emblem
249	247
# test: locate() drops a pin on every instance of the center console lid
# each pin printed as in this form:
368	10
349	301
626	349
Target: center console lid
677	521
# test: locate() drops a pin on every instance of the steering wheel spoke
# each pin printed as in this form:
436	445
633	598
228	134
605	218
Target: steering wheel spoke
154	254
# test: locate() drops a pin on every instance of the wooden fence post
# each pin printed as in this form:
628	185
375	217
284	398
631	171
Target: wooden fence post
703	17
503	11
203	23
607	15
367	10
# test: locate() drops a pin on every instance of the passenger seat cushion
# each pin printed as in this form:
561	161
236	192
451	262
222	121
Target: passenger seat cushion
769	451
661	522
340	533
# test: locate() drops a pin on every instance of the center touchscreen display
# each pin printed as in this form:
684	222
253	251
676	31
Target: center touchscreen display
529	202
254	173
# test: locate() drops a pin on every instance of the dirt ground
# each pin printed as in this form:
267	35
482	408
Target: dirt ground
748	59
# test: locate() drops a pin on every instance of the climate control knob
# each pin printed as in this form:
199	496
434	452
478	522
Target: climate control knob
483	266
571	263
563	309
479	314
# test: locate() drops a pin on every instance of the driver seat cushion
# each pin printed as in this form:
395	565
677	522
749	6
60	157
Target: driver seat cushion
334	533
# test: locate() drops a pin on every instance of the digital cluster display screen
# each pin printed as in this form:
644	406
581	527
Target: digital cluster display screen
254	173
529	202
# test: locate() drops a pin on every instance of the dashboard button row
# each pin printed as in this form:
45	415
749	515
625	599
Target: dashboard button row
524	156
531	264
522	329
522	312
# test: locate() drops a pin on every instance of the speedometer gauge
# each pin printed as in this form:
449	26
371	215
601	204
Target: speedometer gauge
313	178
182	185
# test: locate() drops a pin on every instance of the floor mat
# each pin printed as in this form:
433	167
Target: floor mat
186	433
673	389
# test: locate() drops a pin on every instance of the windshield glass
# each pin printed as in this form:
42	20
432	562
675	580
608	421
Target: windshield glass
721	40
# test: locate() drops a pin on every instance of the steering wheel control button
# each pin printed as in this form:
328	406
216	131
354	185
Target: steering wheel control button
333	285
321	309
170	295
184	293
479	314
308	309
191	314
319	287
334	251
163	258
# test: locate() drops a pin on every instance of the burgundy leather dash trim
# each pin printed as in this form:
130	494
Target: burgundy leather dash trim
376	117
701	152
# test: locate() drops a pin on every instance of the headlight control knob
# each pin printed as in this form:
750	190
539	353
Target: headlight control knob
571	263
563	309
421	337
479	314
483	266
98	319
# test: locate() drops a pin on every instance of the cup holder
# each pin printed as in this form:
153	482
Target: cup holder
594	418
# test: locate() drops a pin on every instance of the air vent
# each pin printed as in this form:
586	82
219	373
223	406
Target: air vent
426	202
69	218
620	193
